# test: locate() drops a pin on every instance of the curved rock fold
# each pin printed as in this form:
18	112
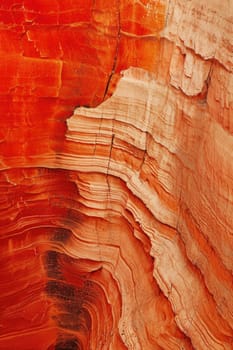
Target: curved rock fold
116	175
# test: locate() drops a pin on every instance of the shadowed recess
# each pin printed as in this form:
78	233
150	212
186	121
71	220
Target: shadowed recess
68	344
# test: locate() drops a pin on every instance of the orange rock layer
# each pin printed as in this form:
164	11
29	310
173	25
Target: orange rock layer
116	225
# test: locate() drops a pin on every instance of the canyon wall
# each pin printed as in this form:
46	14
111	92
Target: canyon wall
116	175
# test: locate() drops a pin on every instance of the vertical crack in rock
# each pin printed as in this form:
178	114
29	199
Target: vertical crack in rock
116	51
129	247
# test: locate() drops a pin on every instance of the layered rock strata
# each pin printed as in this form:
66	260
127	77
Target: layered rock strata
116	225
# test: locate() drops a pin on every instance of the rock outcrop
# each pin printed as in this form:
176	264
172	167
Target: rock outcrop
116	175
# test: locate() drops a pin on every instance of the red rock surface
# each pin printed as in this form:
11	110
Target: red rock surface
116	217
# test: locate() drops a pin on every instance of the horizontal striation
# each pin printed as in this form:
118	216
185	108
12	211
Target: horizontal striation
162	157
116	175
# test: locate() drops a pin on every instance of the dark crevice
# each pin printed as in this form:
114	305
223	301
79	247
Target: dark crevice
68	344
61	235
60	290
52	264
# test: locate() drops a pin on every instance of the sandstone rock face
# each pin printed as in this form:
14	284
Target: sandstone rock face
116	225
